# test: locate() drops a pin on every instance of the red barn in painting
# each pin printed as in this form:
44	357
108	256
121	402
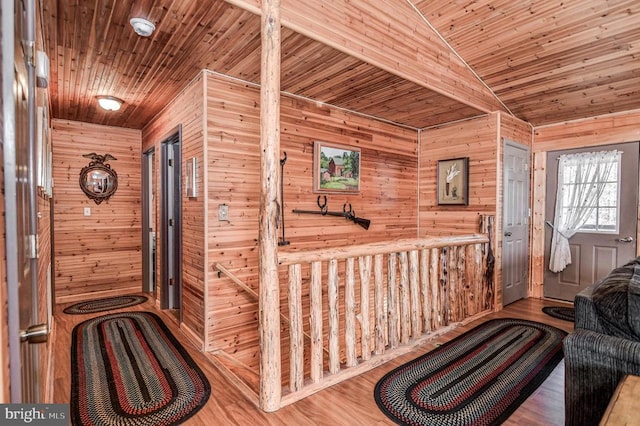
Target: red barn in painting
335	166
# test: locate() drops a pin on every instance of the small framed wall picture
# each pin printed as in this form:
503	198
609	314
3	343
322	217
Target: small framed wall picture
453	181
336	168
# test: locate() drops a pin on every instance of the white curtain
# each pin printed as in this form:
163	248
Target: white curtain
580	185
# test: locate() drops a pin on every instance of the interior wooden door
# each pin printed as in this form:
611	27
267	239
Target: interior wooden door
515	222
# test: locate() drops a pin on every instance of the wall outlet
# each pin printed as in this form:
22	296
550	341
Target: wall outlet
223	212
87	211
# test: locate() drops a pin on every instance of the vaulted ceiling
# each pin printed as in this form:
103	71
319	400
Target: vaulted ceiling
544	61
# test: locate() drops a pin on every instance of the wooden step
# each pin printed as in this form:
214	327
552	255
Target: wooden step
243	377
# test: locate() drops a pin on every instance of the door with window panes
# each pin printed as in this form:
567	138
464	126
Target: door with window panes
608	238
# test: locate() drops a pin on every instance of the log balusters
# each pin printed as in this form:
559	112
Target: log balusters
364	305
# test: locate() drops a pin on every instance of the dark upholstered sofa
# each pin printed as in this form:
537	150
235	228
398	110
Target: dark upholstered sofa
605	345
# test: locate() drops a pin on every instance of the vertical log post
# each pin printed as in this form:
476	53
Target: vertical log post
424	290
463	286
414	289
296	351
381	316
316	322
350	313
364	266
405	314
478	278
436	319
269	302
488	279
470	280
334	314
445	314
393	305
452	285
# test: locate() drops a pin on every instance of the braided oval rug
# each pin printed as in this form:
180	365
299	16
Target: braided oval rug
561	312
479	378
106	304
128	369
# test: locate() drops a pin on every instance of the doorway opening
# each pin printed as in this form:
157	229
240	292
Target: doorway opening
171	225
149	224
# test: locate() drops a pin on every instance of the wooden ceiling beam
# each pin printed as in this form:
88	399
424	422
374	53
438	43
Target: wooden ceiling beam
391	36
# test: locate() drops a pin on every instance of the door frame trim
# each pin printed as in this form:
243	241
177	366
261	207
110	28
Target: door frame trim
147	206
10	192
164	297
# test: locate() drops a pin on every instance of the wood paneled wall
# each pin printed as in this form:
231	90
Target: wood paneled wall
601	130
388	195
476	139
480	139
98	255
186	110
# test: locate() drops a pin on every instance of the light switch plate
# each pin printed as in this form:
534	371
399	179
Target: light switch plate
223	212
87	211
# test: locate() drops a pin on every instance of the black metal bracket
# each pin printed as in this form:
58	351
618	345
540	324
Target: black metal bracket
283	161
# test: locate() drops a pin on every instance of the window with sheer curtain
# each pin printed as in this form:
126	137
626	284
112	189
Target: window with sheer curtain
586	200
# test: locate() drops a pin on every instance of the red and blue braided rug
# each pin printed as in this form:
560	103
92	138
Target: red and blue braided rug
478	378
128	369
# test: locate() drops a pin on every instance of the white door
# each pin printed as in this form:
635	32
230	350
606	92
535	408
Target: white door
515	223
18	146
595	250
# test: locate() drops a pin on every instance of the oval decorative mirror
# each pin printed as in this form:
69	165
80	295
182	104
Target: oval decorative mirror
98	180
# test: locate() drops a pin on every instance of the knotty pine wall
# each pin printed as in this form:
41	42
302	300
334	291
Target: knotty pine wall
99	255
476	139
185	110
45	311
601	130
480	139
388	195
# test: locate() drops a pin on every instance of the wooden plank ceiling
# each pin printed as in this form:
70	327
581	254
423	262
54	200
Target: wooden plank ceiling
547	61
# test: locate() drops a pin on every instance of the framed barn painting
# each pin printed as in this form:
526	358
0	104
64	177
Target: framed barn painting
453	181
336	168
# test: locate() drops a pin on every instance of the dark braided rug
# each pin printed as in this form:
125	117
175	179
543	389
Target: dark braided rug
107	304
561	312
128	369
478	378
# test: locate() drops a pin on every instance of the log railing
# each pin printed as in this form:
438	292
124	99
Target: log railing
370	303
251	292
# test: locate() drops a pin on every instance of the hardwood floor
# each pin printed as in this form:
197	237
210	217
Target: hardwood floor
348	403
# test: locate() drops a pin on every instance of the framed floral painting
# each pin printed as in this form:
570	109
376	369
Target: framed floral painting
453	181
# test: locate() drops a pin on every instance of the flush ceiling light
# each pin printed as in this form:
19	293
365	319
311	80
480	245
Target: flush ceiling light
110	103
142	27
